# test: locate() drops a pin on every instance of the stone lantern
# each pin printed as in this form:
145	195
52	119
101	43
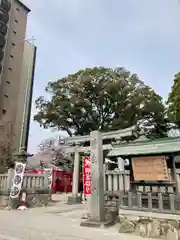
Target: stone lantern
21	156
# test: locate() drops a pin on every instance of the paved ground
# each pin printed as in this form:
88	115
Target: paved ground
60	222
31	225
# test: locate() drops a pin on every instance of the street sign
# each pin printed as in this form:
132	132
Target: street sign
87	176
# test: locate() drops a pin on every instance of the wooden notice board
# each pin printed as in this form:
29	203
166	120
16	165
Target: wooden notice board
150	168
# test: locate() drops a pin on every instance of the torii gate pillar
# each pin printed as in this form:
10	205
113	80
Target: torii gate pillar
97	210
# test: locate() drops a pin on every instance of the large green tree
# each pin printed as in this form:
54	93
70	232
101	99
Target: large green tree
174	102
100	98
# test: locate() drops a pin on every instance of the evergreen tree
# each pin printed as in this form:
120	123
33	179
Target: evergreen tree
174	102
100	99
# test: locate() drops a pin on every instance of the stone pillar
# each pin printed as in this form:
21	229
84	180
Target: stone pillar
97	208
9	179
75	185
5	199
97	198
74	199
121	163
21	156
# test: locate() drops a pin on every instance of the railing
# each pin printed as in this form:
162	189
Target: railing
34	181
3	181
117	181
151	202
30	181
158	198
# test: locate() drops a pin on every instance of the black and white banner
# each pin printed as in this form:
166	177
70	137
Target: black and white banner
18	179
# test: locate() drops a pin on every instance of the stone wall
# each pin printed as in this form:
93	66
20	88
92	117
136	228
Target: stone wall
4	198
145	224
111	207
151	227
36	198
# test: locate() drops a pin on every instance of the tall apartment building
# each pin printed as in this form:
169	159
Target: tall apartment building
17	60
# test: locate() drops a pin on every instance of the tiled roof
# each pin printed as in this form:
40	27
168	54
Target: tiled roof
159	146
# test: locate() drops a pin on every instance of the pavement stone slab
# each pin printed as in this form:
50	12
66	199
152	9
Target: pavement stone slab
39	225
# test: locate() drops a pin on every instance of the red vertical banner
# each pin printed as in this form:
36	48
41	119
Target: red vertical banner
87	179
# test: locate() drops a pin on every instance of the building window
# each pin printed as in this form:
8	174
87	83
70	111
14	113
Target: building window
14	32
10	69
17	9
11	56
4	111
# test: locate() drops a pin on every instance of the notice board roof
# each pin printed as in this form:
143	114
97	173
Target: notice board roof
147	147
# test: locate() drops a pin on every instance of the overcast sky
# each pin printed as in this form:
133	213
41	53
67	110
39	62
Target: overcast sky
141	35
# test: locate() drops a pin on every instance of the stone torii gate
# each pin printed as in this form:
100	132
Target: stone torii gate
96	155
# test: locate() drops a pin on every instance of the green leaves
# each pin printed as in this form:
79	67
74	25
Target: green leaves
99	98
173	102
